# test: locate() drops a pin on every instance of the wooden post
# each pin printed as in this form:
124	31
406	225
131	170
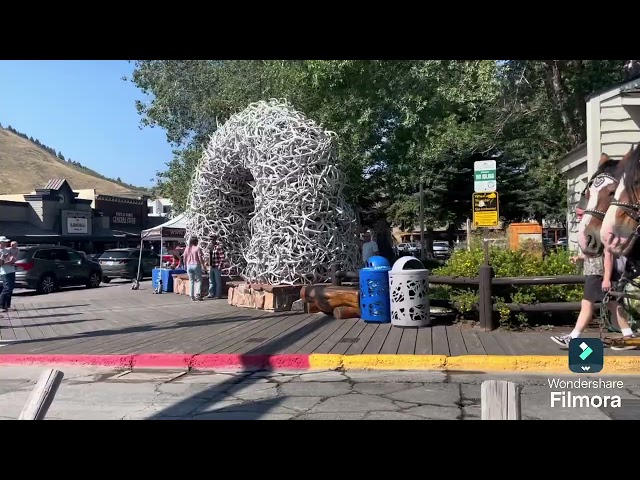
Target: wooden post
485	302
422	248
468	234
500	400
42	395
334	274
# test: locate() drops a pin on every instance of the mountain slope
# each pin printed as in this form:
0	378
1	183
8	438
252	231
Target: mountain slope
25	166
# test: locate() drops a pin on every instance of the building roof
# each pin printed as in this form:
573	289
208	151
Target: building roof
624	85
55	184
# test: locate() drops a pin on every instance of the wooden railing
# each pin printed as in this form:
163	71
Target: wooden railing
484	282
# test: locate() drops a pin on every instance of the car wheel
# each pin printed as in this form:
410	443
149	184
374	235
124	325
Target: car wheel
106	279
47	284
94	280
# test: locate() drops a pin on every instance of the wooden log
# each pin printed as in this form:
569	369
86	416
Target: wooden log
346	312
500	400
312	308
328	297
42	395
621	342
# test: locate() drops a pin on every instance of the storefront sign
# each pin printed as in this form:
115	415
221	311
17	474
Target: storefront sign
124	218
77	226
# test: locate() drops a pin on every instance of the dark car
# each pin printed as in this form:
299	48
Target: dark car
46	268
123	263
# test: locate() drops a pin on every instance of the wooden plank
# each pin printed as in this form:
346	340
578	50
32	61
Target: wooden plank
392	342
279	330
500	400
509	344
490	343
335	337
240	334
18	327
46	329
316	324
42	395
285	336
440	340
408	341
424	346
329	329
32	328
378	339
349	339
456	342
364	339
472	342
6	330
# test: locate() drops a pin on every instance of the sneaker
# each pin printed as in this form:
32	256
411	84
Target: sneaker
627	347
562	340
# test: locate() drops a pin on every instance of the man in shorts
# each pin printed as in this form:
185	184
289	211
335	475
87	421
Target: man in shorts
601	274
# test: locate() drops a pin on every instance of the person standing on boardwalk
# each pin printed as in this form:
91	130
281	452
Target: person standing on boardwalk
193	260
369	248
8	258
216	259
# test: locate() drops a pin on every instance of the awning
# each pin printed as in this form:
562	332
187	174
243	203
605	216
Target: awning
174	230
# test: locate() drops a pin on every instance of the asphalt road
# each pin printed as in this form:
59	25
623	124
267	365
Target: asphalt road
388	395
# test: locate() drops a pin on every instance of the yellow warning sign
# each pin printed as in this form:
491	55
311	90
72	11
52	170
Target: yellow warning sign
486	211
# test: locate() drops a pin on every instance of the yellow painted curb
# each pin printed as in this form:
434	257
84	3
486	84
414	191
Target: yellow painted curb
466	363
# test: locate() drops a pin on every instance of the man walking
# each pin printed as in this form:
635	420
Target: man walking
8	258
216	259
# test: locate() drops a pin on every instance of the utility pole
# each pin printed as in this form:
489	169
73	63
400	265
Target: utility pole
422	248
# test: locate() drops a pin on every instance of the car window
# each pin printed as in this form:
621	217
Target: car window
115	254
43	254
59	254
74	256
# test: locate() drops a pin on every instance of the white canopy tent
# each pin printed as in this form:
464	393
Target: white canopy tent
174	231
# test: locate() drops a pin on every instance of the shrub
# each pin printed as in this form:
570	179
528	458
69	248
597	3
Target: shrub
508	263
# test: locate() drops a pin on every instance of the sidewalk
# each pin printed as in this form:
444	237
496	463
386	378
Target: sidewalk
124	327
100	394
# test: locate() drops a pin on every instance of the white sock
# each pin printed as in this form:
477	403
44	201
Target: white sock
627	332
576	334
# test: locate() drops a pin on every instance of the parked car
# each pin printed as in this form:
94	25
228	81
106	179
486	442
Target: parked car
123	263
408	248
441	249
562	242
46	268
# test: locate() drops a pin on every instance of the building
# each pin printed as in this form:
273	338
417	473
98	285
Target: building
56	214
159	207
613	127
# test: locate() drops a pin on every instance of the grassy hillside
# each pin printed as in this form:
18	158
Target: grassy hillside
25	165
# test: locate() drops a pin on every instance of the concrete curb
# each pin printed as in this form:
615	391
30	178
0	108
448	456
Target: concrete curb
464	363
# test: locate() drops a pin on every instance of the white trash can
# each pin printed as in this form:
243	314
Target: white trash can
409	291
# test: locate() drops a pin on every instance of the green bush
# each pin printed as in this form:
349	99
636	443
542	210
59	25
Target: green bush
508	263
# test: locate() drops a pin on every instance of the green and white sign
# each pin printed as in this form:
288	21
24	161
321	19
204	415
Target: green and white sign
484	176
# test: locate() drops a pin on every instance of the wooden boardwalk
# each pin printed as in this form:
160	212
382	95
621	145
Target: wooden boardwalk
117	320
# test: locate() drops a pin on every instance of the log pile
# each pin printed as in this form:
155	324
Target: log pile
341	302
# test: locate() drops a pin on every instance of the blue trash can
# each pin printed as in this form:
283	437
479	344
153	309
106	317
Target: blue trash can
375	302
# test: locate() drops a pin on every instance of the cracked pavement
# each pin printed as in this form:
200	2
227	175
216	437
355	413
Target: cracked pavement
106	394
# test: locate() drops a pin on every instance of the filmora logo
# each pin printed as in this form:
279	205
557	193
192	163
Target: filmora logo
586	355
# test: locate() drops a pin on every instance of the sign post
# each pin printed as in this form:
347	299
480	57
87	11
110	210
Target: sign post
486	212
484	176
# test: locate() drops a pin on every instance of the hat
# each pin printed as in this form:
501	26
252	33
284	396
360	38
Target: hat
3	239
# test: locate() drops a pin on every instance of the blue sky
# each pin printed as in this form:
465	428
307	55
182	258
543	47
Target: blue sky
86	110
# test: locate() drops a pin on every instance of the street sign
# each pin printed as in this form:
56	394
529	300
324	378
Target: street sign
486	211
484	176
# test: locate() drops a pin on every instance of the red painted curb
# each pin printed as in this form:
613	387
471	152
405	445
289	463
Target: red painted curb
118	361
164	360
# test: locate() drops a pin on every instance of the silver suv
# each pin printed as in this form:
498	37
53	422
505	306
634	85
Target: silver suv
46	268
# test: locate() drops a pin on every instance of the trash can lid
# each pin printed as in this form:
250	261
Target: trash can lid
377	262
407	263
